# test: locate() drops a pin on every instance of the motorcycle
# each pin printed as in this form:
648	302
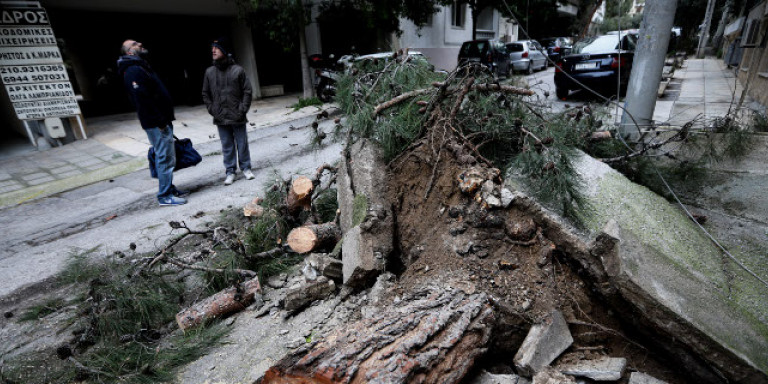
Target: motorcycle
327	75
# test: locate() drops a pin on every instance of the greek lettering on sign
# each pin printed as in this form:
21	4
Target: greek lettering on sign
23	16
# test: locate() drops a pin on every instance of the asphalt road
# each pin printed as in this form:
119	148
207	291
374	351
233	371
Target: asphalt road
108	216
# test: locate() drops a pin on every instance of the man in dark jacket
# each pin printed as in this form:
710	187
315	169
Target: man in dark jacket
155	109
227	95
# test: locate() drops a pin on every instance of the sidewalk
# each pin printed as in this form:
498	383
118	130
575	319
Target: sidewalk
703	88
116	146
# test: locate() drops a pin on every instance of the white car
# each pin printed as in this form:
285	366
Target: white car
527	56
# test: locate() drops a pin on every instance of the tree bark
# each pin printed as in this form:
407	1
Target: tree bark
300	194
433	336
310	237
230	300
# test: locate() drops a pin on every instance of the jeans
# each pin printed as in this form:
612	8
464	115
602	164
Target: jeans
165	158
234	147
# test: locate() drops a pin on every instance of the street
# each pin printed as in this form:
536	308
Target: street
108	216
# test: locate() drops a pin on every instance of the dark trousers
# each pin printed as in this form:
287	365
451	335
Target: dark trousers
234	147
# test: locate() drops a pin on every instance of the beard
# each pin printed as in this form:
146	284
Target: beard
143	53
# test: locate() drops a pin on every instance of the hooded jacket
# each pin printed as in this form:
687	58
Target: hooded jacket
147	93
227	92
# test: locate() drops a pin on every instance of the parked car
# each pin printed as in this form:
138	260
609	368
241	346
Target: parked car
491	53
602	63
557	46
527	56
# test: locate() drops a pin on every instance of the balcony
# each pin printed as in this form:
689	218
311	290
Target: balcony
485	34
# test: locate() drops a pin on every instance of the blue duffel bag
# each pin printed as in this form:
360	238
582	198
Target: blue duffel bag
186	156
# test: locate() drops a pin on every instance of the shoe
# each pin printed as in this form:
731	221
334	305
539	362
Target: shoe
230	179
248	174
172	200
180	192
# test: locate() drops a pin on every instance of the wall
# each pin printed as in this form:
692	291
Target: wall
754	63
440	41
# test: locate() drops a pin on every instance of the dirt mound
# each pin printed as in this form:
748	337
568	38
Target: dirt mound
448	235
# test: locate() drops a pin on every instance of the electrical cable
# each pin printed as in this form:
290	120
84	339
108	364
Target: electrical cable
669	188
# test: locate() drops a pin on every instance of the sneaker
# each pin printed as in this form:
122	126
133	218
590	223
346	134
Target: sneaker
172	200
248	174
229	180
180	192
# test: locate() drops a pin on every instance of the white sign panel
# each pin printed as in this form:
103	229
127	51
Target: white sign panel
41	91
22	74
30	55
31	65
28	110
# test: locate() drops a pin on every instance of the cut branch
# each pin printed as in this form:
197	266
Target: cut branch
399	99
224	302
310	237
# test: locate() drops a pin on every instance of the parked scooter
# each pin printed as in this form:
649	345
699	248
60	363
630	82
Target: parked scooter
327	75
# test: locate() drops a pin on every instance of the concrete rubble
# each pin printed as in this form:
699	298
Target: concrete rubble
601	369
303	295
543	344
642	378
490	378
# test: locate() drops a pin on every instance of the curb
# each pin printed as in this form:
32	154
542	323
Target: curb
47	189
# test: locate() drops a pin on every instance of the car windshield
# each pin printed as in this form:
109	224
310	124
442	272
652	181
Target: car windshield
605	43
473	48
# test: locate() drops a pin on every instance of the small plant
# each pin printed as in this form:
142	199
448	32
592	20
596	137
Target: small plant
306	102
760	122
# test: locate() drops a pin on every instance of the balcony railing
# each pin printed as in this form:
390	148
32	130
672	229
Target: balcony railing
485	34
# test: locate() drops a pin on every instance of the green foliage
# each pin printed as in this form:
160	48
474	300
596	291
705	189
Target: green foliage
39	311
148	362
79	268
306	102
326	205
362	89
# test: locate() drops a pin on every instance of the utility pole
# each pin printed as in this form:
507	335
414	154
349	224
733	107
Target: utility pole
652	44
704	34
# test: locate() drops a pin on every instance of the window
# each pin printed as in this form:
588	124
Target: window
750	34
457	14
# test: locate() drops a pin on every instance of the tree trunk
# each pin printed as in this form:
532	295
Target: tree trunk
230	300
300	194
433	336
310	237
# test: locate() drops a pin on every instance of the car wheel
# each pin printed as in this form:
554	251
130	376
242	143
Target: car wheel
561	93
529	70
546	64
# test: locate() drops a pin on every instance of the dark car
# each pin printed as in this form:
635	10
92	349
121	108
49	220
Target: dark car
491	53
557	46
602	63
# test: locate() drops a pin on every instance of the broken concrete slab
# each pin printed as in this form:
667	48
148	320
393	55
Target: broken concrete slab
601	369
642	378
552	376
361	262
664	276
486	377
365	218
325	265
299	297
543	344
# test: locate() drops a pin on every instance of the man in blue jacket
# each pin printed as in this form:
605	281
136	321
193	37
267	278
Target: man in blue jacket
155	109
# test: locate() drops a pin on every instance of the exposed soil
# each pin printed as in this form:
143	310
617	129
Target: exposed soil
454	237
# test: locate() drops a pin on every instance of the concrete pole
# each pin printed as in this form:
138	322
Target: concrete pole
704	36
652	44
